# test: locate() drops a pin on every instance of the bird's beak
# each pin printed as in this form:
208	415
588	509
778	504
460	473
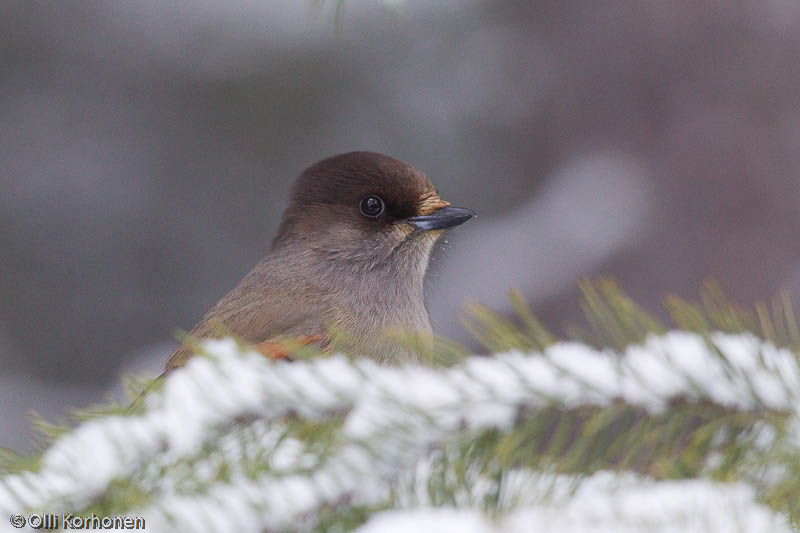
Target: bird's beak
443	218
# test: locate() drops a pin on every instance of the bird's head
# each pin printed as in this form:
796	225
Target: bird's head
363	210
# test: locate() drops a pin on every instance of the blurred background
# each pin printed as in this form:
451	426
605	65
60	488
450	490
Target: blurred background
147	149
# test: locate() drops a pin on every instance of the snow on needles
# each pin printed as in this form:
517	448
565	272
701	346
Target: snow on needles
604	503
394	418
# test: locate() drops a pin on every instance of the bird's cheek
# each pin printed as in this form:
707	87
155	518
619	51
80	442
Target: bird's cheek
401	231
432	236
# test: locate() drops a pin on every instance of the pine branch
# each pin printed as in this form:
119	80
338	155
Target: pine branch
333	443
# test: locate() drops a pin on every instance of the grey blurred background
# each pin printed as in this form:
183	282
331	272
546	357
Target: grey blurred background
147	147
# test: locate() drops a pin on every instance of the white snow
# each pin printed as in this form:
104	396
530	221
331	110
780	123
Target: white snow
605	503
396	418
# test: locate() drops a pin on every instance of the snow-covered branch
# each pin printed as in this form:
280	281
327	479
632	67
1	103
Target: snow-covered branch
217	448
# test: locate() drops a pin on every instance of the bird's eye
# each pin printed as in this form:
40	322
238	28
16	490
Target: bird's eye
372	206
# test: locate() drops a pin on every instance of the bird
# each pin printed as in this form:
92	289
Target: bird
347	262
